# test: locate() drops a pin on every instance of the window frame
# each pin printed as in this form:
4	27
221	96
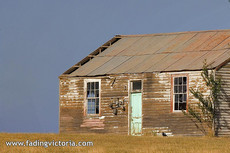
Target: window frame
172	91
86	99
131	86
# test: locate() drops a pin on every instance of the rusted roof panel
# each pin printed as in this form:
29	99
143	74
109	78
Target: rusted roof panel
129	64
147	63
159	53
210	57
159	42
223	45
186	61
120	46
222	58
163	64
109	65
197	41
213	41
176	43
90	66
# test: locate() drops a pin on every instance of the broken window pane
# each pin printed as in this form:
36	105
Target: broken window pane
182	106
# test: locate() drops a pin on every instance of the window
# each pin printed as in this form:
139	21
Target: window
136	86
179	93
92	96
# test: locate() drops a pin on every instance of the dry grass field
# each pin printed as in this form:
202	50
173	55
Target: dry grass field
117	143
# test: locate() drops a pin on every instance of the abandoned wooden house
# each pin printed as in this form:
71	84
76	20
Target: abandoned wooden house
134	84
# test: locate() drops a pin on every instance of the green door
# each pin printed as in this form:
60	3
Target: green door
136	113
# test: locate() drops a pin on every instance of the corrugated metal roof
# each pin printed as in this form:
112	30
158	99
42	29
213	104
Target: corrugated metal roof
156	53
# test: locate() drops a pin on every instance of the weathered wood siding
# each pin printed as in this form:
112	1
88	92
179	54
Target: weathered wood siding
222	120
72	118
156	102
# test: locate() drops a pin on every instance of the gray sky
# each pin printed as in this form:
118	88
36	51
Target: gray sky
40	39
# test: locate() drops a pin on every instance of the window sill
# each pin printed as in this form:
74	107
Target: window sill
178	111
92	115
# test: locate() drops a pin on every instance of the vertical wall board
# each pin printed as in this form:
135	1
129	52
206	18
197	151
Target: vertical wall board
222	107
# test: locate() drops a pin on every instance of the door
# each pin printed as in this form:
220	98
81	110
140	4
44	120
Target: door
136	113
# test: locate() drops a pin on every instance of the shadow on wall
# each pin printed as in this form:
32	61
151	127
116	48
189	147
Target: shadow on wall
222	113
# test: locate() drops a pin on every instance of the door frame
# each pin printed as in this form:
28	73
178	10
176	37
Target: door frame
129	105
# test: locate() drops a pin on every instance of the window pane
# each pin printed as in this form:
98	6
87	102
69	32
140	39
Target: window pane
97	93
88	94
88	86
93	103
136	85
185	98
182	106
92	94
97	110
176	98
89	110
184	89
175	89
175	81
97	101
180	89
180	80
92	85
176	106
97	106
184	80
180	98
91	106
97	85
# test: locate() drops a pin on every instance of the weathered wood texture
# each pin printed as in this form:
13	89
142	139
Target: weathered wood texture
72	118
156	102
222	120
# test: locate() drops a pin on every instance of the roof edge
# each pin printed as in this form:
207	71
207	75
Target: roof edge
91	56
171	71
172	33
222	64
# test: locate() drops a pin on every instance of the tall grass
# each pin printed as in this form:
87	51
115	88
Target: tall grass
118	143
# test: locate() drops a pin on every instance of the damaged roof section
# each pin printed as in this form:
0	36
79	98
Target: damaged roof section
156	53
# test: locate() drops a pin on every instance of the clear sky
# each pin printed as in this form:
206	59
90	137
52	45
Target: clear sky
40	39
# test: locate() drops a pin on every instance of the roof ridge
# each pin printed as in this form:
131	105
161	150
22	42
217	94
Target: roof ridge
172	33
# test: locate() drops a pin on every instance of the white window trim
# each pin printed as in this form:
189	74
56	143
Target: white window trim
131	85
85	96
173	97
